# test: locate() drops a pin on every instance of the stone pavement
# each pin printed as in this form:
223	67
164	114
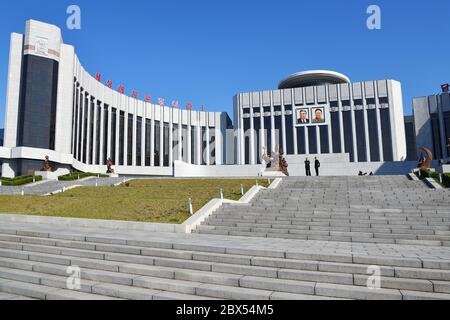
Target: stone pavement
117	264
46	187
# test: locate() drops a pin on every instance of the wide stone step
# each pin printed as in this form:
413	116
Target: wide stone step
42	292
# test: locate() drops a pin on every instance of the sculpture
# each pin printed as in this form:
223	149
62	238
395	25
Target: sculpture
425	163
47	167
283	164
275	163
109	164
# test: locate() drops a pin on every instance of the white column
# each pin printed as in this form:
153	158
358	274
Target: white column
283	122
261	132
125	139
218	139
88	134
380	136
355	142
294	123
161	138
134	134
79	123
109	133
94	137
152	144
366	123
330	134
341	119
143	133
117	128
207	155
319	147
189	138
198	135
252	150
101	158
171	137
241	136
180	135
272	123
13	97
83	111
306	130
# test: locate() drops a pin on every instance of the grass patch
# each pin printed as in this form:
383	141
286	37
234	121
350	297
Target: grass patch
164	200
20	181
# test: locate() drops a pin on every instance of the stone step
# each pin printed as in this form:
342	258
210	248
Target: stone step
42	292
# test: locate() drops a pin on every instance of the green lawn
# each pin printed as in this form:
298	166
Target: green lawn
164	200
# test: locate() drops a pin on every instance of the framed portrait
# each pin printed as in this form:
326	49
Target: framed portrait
302	116
318	115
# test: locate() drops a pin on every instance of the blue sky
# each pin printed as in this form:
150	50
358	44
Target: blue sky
204	52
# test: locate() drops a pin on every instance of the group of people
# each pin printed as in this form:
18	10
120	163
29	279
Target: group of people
308	166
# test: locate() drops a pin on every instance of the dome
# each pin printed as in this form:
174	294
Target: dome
312	78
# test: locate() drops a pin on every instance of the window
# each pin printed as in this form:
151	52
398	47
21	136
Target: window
373	135
157	144
335	132
324	143
348	134
139	141
289	127
247	134
91	133
312	136
121	138
148	141
106	132
386	134
301	145
361	135
113	134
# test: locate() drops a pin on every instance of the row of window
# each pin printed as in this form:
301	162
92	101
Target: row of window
369	102
338	144
83	129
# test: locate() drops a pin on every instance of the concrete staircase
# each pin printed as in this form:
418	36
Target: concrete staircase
340	229
33	265
390	210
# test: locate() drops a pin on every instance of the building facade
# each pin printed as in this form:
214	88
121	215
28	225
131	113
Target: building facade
432	124
322	112
56	108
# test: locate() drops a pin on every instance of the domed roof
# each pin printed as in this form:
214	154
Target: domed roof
312	78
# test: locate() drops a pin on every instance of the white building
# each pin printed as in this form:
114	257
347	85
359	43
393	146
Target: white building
55	107
363	120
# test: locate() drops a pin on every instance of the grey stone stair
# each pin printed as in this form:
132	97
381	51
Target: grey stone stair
34	265
390	210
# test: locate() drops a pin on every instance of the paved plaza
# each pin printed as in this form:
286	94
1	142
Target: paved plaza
316	238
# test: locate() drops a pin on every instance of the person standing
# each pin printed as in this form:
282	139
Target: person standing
308	167
317	166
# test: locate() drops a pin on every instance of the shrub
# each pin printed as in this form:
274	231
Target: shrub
446	180
20	181
75	175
